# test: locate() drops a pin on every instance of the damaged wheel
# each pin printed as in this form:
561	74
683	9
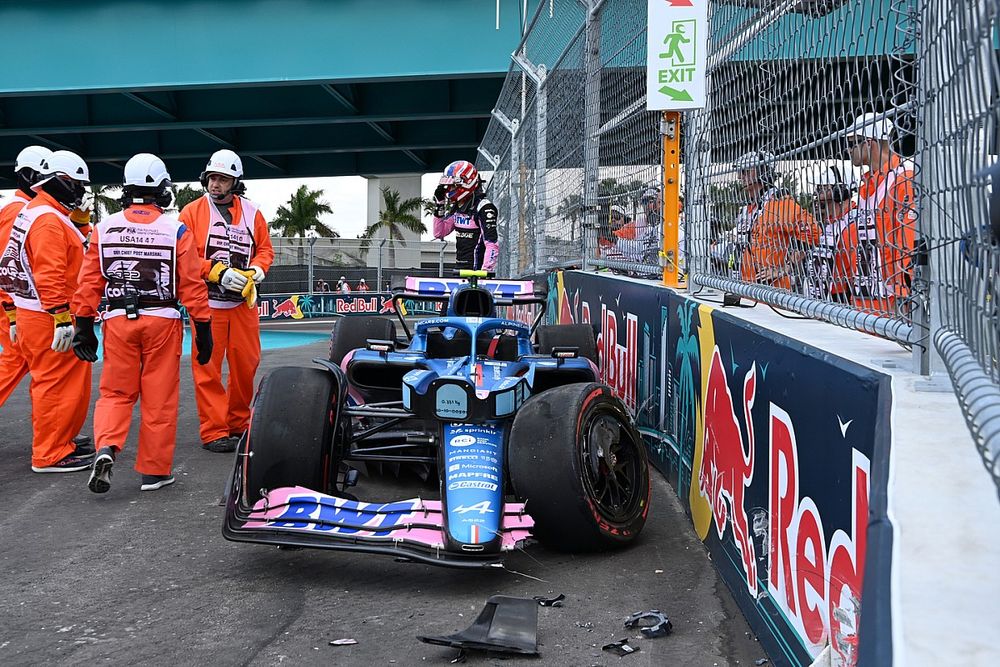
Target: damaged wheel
352	333
578	462
288	443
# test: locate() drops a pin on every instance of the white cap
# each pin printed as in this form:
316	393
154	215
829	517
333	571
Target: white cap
145	170
225	162
753	159
31	157
66	162
615	208
832	175
871	126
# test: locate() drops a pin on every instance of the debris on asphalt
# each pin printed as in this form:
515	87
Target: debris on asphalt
506	625
620	648
557	601
762	661
343	642
652	623
586	626
461	657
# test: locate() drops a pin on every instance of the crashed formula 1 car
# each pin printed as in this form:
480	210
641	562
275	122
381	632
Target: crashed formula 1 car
524	439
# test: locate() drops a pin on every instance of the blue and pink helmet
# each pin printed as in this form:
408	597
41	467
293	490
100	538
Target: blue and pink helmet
460	179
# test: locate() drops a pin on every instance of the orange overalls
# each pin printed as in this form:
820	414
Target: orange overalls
886	238
774	227
13	365
143	250
245	242
47	249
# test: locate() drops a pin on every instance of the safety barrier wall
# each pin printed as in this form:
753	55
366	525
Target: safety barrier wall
278	307
779	451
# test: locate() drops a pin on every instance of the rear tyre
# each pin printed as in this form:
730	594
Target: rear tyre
290	432
580	336
578	462
351	333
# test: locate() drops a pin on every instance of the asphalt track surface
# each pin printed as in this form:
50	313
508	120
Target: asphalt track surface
136	577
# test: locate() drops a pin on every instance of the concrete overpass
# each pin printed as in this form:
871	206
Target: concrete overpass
298	87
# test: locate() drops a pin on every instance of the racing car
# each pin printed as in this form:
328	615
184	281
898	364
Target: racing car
523	439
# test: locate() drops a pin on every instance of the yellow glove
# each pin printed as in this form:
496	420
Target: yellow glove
10	311
251	295
80	218
81	214
249	292
215	275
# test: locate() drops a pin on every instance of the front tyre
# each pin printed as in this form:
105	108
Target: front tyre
578	462
290	432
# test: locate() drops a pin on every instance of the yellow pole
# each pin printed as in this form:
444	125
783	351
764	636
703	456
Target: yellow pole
671	197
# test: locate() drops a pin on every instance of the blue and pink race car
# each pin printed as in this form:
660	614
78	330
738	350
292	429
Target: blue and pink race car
511	418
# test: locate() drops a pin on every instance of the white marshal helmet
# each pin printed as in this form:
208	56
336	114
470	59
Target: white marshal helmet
31	157
224	162
145	170
67	163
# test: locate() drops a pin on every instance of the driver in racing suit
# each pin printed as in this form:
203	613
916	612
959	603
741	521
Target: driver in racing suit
461	205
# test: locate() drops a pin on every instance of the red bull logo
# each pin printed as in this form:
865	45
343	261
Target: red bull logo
618	362
288	308
815	582
359	305
727	462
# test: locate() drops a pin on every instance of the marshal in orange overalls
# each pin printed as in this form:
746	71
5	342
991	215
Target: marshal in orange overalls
50	248
142	249
224	411
13	365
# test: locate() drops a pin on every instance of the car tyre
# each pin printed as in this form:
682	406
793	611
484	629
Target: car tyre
288	443
351	333
577	460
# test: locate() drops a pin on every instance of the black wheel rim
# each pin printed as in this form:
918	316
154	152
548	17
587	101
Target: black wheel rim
612	467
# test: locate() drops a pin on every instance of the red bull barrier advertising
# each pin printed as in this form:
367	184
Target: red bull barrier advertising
779	450
326	305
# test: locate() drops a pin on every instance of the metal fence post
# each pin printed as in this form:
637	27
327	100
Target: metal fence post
591	123
444	246
537	74
378	274
312	256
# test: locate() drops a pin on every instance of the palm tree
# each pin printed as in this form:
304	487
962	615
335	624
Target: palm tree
301	214
569	209
394	218
106	201
184	196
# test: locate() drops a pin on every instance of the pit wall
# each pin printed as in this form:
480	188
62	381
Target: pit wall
778	450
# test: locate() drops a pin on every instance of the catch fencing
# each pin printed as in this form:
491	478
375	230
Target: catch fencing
574	155
841	168
317	265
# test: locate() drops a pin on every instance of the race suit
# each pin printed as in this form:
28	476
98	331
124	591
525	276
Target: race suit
475	227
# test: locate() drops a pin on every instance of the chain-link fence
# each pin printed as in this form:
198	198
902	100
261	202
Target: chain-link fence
958	144
800	171
841	167
316	265
575	156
